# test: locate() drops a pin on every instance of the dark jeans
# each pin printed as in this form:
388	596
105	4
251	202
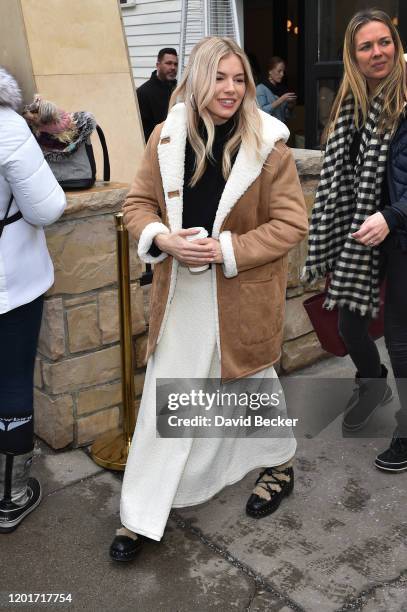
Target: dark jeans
395	324
354	328
354	331
19	331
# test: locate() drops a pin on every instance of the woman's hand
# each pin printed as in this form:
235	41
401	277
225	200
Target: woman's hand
372	231
215	246
190	253
289	97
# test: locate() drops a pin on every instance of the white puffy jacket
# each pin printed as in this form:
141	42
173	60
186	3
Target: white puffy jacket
26	269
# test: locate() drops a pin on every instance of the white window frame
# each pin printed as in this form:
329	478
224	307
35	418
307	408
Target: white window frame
127	3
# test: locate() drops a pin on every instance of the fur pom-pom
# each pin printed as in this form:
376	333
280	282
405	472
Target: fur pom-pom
44	117
10	92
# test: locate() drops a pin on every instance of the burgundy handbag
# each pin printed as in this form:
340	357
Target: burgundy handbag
325	322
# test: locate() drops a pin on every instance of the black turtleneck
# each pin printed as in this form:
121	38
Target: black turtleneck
201	201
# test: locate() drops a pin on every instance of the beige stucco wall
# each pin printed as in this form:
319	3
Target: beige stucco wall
74	53
14	51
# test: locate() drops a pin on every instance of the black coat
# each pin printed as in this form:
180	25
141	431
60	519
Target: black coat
153	98
397	180
394	193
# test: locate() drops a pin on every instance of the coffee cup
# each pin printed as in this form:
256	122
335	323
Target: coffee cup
202	234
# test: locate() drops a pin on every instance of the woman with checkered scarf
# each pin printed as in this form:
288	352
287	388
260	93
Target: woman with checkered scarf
359	223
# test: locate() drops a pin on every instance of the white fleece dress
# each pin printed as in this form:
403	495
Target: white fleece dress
175	472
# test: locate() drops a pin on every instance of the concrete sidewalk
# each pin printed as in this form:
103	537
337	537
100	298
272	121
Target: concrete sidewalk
338	543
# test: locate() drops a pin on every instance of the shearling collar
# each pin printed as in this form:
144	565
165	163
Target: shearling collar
10	93
247	166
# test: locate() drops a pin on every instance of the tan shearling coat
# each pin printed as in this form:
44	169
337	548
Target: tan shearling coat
260	217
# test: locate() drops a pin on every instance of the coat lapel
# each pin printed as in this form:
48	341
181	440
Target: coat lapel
171	157
247	166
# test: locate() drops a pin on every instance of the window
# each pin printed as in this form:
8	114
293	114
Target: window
334	17
127	3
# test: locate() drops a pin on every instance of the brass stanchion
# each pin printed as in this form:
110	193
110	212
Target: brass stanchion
111	450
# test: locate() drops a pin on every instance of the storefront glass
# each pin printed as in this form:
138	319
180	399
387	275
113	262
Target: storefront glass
334	16
327	89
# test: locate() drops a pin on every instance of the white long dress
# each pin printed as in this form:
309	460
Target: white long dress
174	472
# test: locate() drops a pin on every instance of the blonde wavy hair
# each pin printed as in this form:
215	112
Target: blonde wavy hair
197	89
354	84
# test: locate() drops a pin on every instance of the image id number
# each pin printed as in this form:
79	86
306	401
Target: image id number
28	598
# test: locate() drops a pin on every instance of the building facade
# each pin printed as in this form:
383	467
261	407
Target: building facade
308	34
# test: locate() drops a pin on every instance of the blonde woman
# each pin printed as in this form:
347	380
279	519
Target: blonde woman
219	163
359	223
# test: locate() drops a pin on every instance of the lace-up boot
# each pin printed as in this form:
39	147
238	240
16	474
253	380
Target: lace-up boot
271	486
126	545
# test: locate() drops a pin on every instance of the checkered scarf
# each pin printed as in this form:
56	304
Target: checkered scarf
346	196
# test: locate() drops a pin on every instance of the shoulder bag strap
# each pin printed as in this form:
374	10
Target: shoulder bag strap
106	163
3	221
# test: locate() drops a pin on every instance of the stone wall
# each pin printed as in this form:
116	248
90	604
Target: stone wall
77	376
300	345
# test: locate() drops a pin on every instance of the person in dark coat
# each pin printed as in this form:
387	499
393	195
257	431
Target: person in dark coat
154	95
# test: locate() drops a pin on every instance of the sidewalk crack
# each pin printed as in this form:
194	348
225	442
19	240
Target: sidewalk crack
252	598
364	597
259	580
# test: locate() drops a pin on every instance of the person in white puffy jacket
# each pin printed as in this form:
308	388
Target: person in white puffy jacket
30	198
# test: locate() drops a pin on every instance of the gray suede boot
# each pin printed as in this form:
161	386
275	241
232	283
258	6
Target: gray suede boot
370	394
19	494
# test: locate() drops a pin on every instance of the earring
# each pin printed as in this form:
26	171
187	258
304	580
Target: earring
193	103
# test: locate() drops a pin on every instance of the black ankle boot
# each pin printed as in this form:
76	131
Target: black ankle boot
126	545
271	486
19	494
394	458
369	394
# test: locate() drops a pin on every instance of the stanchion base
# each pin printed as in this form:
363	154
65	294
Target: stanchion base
111	450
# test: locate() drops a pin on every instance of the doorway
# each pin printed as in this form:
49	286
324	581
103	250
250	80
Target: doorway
276	28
